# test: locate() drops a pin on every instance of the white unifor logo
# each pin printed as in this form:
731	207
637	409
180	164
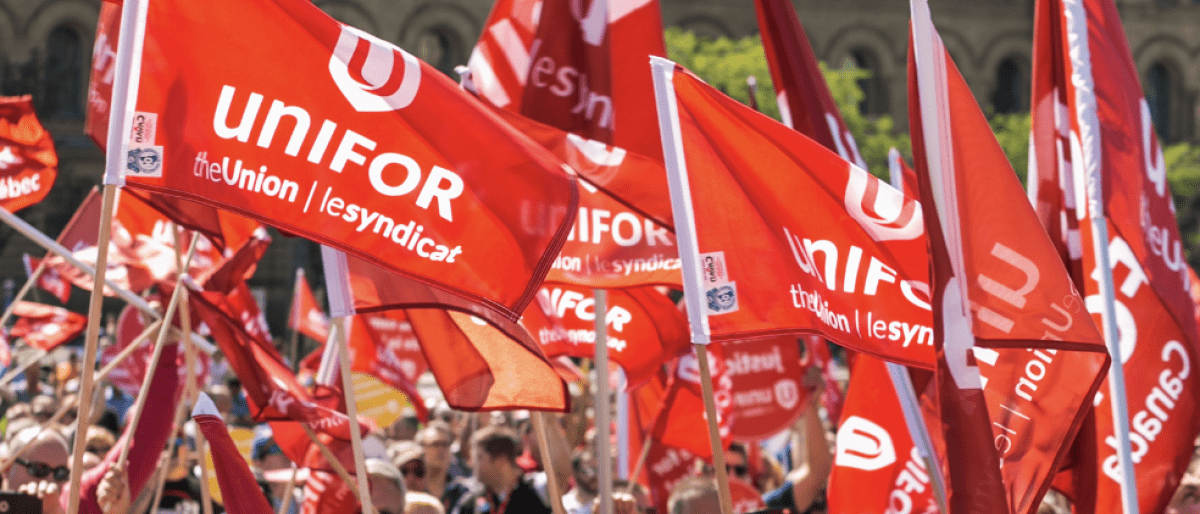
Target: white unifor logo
364	68
881	209
8	158
861	444
593	23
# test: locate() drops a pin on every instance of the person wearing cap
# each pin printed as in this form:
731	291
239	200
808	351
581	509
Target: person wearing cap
409	458
268	457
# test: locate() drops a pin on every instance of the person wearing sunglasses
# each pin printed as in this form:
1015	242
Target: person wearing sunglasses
41	470
409	458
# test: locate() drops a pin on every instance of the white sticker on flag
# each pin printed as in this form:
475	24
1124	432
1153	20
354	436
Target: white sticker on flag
143	161
145	124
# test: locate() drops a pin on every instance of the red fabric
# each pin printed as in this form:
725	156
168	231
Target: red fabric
45	327
1087	93
481	361
832	396
50	281
148	438
908	176
804	98
28	163
876	466
681	421
1018	360
773	268
326	493
104	65
240	332
557	64
239	490
767	379
645	328
306	316
390	183
128	375
231	272
385	346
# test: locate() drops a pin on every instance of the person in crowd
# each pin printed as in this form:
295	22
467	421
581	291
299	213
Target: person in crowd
387	487
405	427
41	470
494	451
694	495
267	456
422	503
583	469
409	458
435	441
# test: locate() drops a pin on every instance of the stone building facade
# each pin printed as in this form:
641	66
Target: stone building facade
45	51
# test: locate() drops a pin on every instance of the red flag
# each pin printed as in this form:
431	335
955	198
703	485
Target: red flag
140	253
898	168
384	345
104	68
766	380
832	396
665	467
645	328
306	317
45	327
805	102
557	62
50	281
239	489
326	493
1093	132
480	360
358	159
28	163
876	466
128	375
1019	361
240	332
795	239
681	416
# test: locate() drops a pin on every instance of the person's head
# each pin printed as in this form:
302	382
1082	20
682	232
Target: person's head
694	495
99	441
737	463
639	493
409	458
18	411
387	487
422	503
43	407
583	469
435	439
222	398
494	451
405	427
44	458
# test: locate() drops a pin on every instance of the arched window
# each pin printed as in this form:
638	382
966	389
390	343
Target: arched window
441	48
875	101
62	84
1011	88
1159	89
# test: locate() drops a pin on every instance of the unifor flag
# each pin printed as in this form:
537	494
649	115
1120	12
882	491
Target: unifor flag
1019	358
44	326
1099	161
28	162
876	466
480	360
557	61
644	327
49	280
805	102
360	158
793	239
306	316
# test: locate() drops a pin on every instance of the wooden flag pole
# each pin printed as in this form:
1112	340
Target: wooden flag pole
128	350
90	343
192	389
152	367
12	375
62	411
543	441
360	466
641	462
287	492
33	277
689	255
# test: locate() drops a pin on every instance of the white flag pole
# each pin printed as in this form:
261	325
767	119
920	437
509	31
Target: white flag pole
603	402
341	307
1089	137
689	254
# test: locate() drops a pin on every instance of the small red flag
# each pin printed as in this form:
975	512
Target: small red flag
44	326
28	163
306	317
50	281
